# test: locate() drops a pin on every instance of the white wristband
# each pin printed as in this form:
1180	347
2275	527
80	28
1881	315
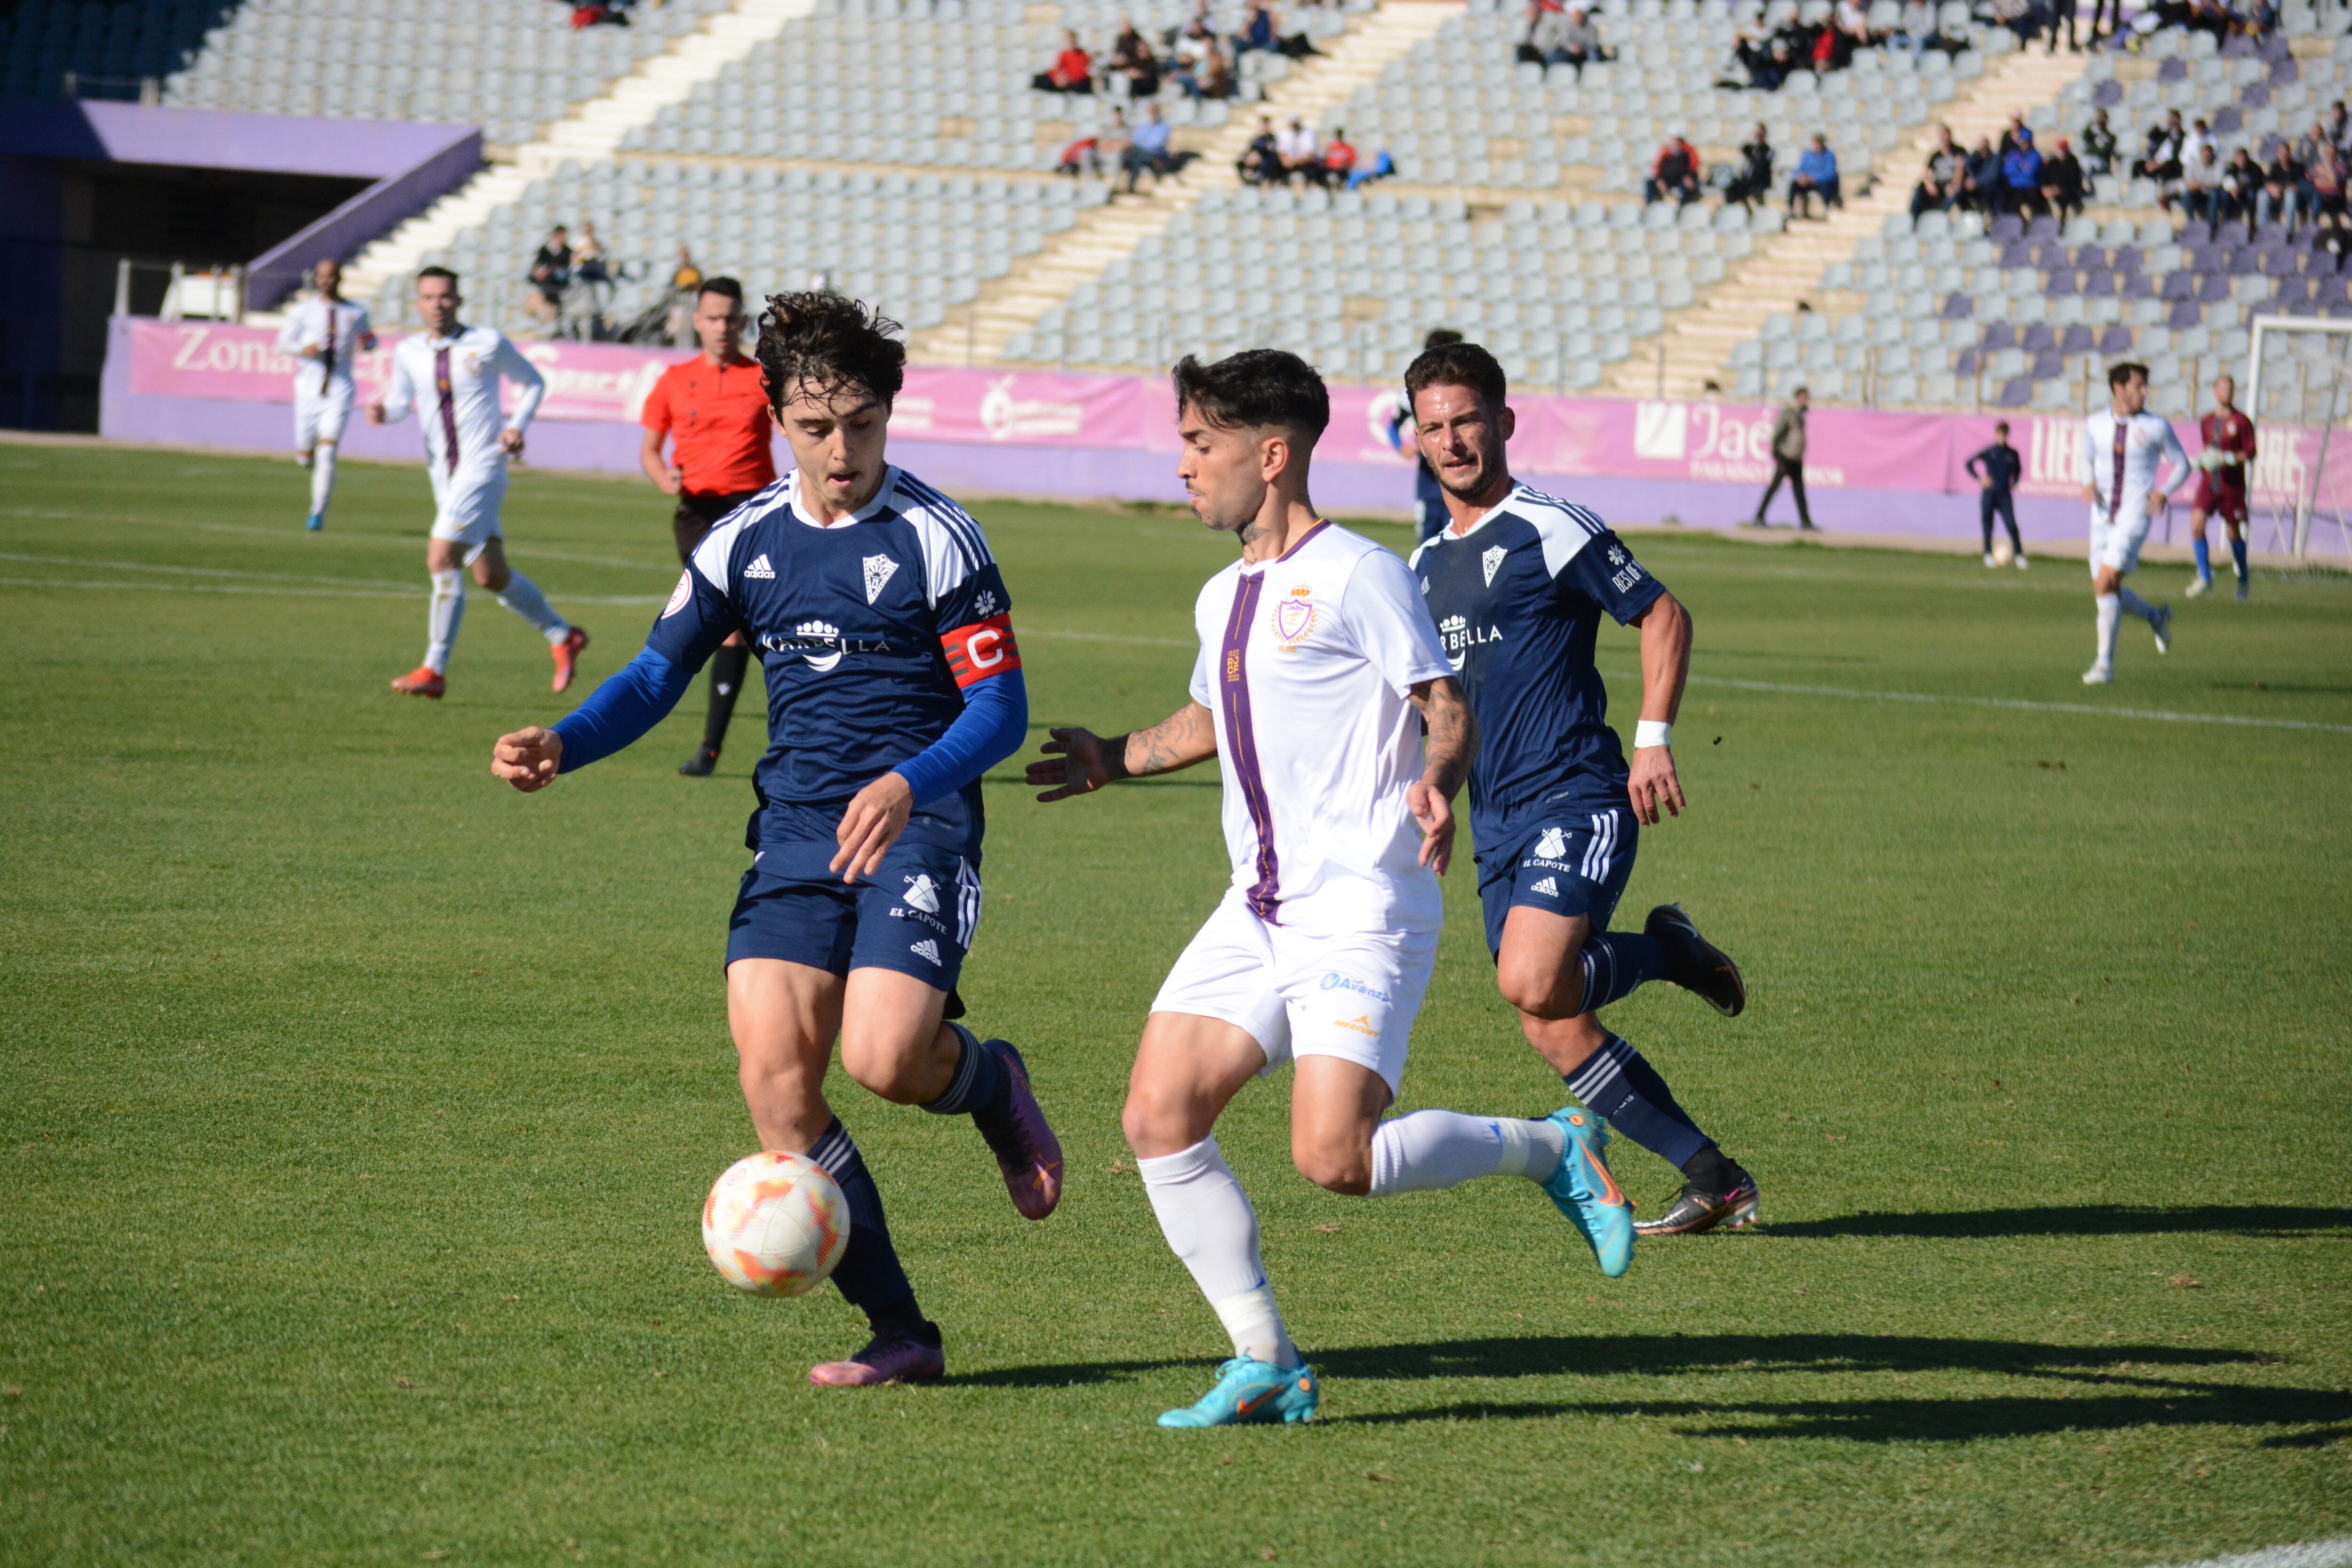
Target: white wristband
1648	733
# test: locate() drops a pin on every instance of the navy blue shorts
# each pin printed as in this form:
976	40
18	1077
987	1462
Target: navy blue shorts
916	914
1572	860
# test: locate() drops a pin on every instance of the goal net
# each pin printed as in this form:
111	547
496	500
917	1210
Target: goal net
2299	390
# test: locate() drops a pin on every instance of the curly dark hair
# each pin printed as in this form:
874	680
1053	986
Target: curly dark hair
1254	389
1456	364
828	343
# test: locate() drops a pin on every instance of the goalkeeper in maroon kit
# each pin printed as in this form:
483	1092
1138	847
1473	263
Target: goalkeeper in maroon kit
2229	448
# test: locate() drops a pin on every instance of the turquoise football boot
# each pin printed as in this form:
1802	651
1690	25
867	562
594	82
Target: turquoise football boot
1248	1392
1584	1190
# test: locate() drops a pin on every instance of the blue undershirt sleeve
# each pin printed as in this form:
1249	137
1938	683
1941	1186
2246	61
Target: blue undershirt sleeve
991	727
628	705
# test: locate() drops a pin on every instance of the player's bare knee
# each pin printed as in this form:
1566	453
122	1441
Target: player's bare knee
1155	1121
890	1067
1336	1165
494	578
1541	990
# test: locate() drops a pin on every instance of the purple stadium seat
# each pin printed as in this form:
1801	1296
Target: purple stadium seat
2253	95
2213	287
2227	121
2007	227
2239	48
2174	69
2047	363
2271	237
2231	233
2137	285
2058	285
2278	262
2016	392
1965	363
2042	228
1999	335
2116	340
2108	94
2185	313
2293	293
1959	306
2282	71
2178	285
2127	259
2037	338
2276	47
2242	261
2017	253
2077	341
2091	257
2099	285
2051	256
2327	290
2205	258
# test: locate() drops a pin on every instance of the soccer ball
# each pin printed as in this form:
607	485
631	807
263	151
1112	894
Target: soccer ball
2001	553
775	1223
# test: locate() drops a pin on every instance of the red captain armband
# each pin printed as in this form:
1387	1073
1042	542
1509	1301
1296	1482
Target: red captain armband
980	649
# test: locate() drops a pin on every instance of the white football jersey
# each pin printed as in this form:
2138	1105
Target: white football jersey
334	327
2123	470
1305	663
462	421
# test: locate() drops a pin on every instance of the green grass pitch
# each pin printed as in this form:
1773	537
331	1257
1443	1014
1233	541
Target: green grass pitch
355	1111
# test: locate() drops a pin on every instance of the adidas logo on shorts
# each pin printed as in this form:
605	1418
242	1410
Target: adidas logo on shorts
927	947
1548	887
761	569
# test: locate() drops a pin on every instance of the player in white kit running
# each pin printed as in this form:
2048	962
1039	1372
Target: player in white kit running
1318	672
327	333
2123	448
450	375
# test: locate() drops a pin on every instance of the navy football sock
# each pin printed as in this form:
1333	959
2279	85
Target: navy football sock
1625	1092
979	1078
2238	556
1615	962
728	667
868	1273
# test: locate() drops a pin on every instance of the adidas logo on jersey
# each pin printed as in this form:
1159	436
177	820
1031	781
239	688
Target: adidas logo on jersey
922	894
1551	845
760	568
1492	560
927	947
1548	887
879	571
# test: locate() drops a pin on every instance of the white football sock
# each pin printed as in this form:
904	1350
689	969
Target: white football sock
322	478
2111	615
448	608
2135	606
1430	1150
522	596
1209	1224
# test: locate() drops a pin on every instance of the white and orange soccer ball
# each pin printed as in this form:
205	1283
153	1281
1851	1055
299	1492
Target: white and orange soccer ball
775	1223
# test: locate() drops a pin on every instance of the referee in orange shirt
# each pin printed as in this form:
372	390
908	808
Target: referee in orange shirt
713	409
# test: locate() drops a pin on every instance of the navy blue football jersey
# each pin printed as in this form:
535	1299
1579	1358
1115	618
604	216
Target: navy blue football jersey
867	629
1517	602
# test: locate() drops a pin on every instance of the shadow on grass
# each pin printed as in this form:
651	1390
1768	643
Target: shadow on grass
2087	1219
1653	1355
1936	1420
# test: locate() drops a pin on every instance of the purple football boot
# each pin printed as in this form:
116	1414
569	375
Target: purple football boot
895	1358
1026	1148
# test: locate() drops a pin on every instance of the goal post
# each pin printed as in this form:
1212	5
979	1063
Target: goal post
2299	381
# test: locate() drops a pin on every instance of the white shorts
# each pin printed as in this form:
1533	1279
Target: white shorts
2118	547
1351	994
322	415
468	504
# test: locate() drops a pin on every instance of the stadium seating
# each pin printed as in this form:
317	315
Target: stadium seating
2022	314
510	66
109	51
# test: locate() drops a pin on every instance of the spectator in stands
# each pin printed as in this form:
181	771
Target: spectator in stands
1298	154
1106	147
2022	17
2242	186
2284	199
1202	71
1914	28
551	274
1941	183
1557	38
2160	161
1381	168
1674	172
1339	159
1817	175
2099	143
2201	189
1195	28
2020	171
2062	184
2013	135
1261	161
1257	30
2338	126
1147	150
1131	57
1980	179
1765	62
1788	458
1073	70
1753	183
1082	156
2063	11
2200	137
2325	178
685	286
2113	10
1853	21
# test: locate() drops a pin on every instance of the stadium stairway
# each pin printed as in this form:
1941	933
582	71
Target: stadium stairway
1013	304
591	133
1787	268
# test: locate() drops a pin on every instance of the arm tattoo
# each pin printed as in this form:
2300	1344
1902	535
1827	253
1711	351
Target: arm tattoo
1453	740
1176	741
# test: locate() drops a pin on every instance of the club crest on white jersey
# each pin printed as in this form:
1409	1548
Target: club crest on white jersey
679	595
878	570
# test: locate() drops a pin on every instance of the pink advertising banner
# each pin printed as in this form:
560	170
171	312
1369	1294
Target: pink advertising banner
1727	443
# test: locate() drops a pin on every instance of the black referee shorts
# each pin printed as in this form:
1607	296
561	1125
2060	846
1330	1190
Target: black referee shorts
697	513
